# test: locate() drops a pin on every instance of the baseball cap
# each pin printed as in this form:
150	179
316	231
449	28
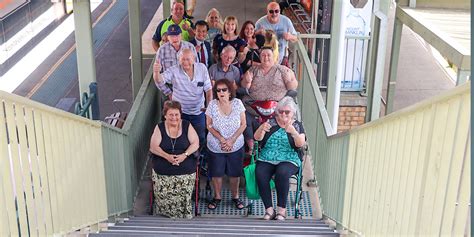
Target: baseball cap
174	30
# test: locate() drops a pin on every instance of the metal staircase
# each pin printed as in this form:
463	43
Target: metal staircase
215	226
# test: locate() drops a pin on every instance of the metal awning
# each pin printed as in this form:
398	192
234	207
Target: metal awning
447	30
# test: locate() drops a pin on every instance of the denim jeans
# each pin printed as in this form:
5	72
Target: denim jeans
199	124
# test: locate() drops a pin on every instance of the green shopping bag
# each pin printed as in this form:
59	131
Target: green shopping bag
251	187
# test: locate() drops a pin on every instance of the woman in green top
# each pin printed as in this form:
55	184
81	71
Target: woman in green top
280	138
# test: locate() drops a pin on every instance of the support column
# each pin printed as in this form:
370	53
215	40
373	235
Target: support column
336	64
134	24
381	45
84	45
394	57
463	76
375	68
166	8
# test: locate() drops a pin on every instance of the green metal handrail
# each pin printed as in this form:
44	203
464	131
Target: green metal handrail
326	152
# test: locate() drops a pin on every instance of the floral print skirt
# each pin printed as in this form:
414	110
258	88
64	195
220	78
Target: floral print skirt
173	195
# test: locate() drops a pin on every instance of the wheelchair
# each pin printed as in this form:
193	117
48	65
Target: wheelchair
298	176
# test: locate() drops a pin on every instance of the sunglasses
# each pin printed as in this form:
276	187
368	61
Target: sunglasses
274	11
287	112
221	90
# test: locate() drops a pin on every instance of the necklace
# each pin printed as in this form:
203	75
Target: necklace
173	141
225	108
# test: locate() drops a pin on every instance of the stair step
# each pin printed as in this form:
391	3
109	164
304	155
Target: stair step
215	234
220	223
223	219
210	231
229	226
217	226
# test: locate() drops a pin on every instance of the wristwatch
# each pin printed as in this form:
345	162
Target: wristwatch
186	153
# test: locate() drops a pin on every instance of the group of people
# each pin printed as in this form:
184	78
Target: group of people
199	67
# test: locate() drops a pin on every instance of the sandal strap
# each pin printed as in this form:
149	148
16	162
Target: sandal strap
279	216
214	202
238	203
270	215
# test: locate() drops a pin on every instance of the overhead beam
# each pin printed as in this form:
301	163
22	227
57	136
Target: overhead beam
449	48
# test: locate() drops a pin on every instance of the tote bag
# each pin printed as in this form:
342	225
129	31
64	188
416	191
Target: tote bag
251	187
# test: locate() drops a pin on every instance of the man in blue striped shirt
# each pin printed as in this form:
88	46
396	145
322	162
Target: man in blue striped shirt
190	82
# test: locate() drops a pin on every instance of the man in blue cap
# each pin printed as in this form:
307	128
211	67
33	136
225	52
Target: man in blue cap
167	53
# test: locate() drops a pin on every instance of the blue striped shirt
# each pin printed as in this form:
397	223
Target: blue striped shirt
168	57
190	93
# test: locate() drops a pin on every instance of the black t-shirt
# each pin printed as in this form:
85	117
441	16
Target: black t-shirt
161	165
219	43
252	55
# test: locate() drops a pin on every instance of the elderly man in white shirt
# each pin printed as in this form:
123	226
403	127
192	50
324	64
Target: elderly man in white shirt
190	82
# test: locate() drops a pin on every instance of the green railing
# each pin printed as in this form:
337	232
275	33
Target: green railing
410	171
125	150
52	177
329	155
405	174
60	172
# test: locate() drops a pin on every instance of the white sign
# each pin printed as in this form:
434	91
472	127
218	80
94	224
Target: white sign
357	24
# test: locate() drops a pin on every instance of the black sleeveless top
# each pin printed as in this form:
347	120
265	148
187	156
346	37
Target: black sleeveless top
161	165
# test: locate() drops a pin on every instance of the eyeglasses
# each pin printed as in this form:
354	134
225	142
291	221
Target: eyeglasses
221	90
276	11
284	112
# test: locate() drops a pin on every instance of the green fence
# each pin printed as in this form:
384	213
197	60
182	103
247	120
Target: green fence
126	150
329	155
52	177
404	174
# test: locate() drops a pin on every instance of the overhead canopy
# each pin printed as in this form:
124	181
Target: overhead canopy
447	30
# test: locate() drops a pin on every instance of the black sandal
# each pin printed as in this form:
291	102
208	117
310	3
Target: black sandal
238	203
213	204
